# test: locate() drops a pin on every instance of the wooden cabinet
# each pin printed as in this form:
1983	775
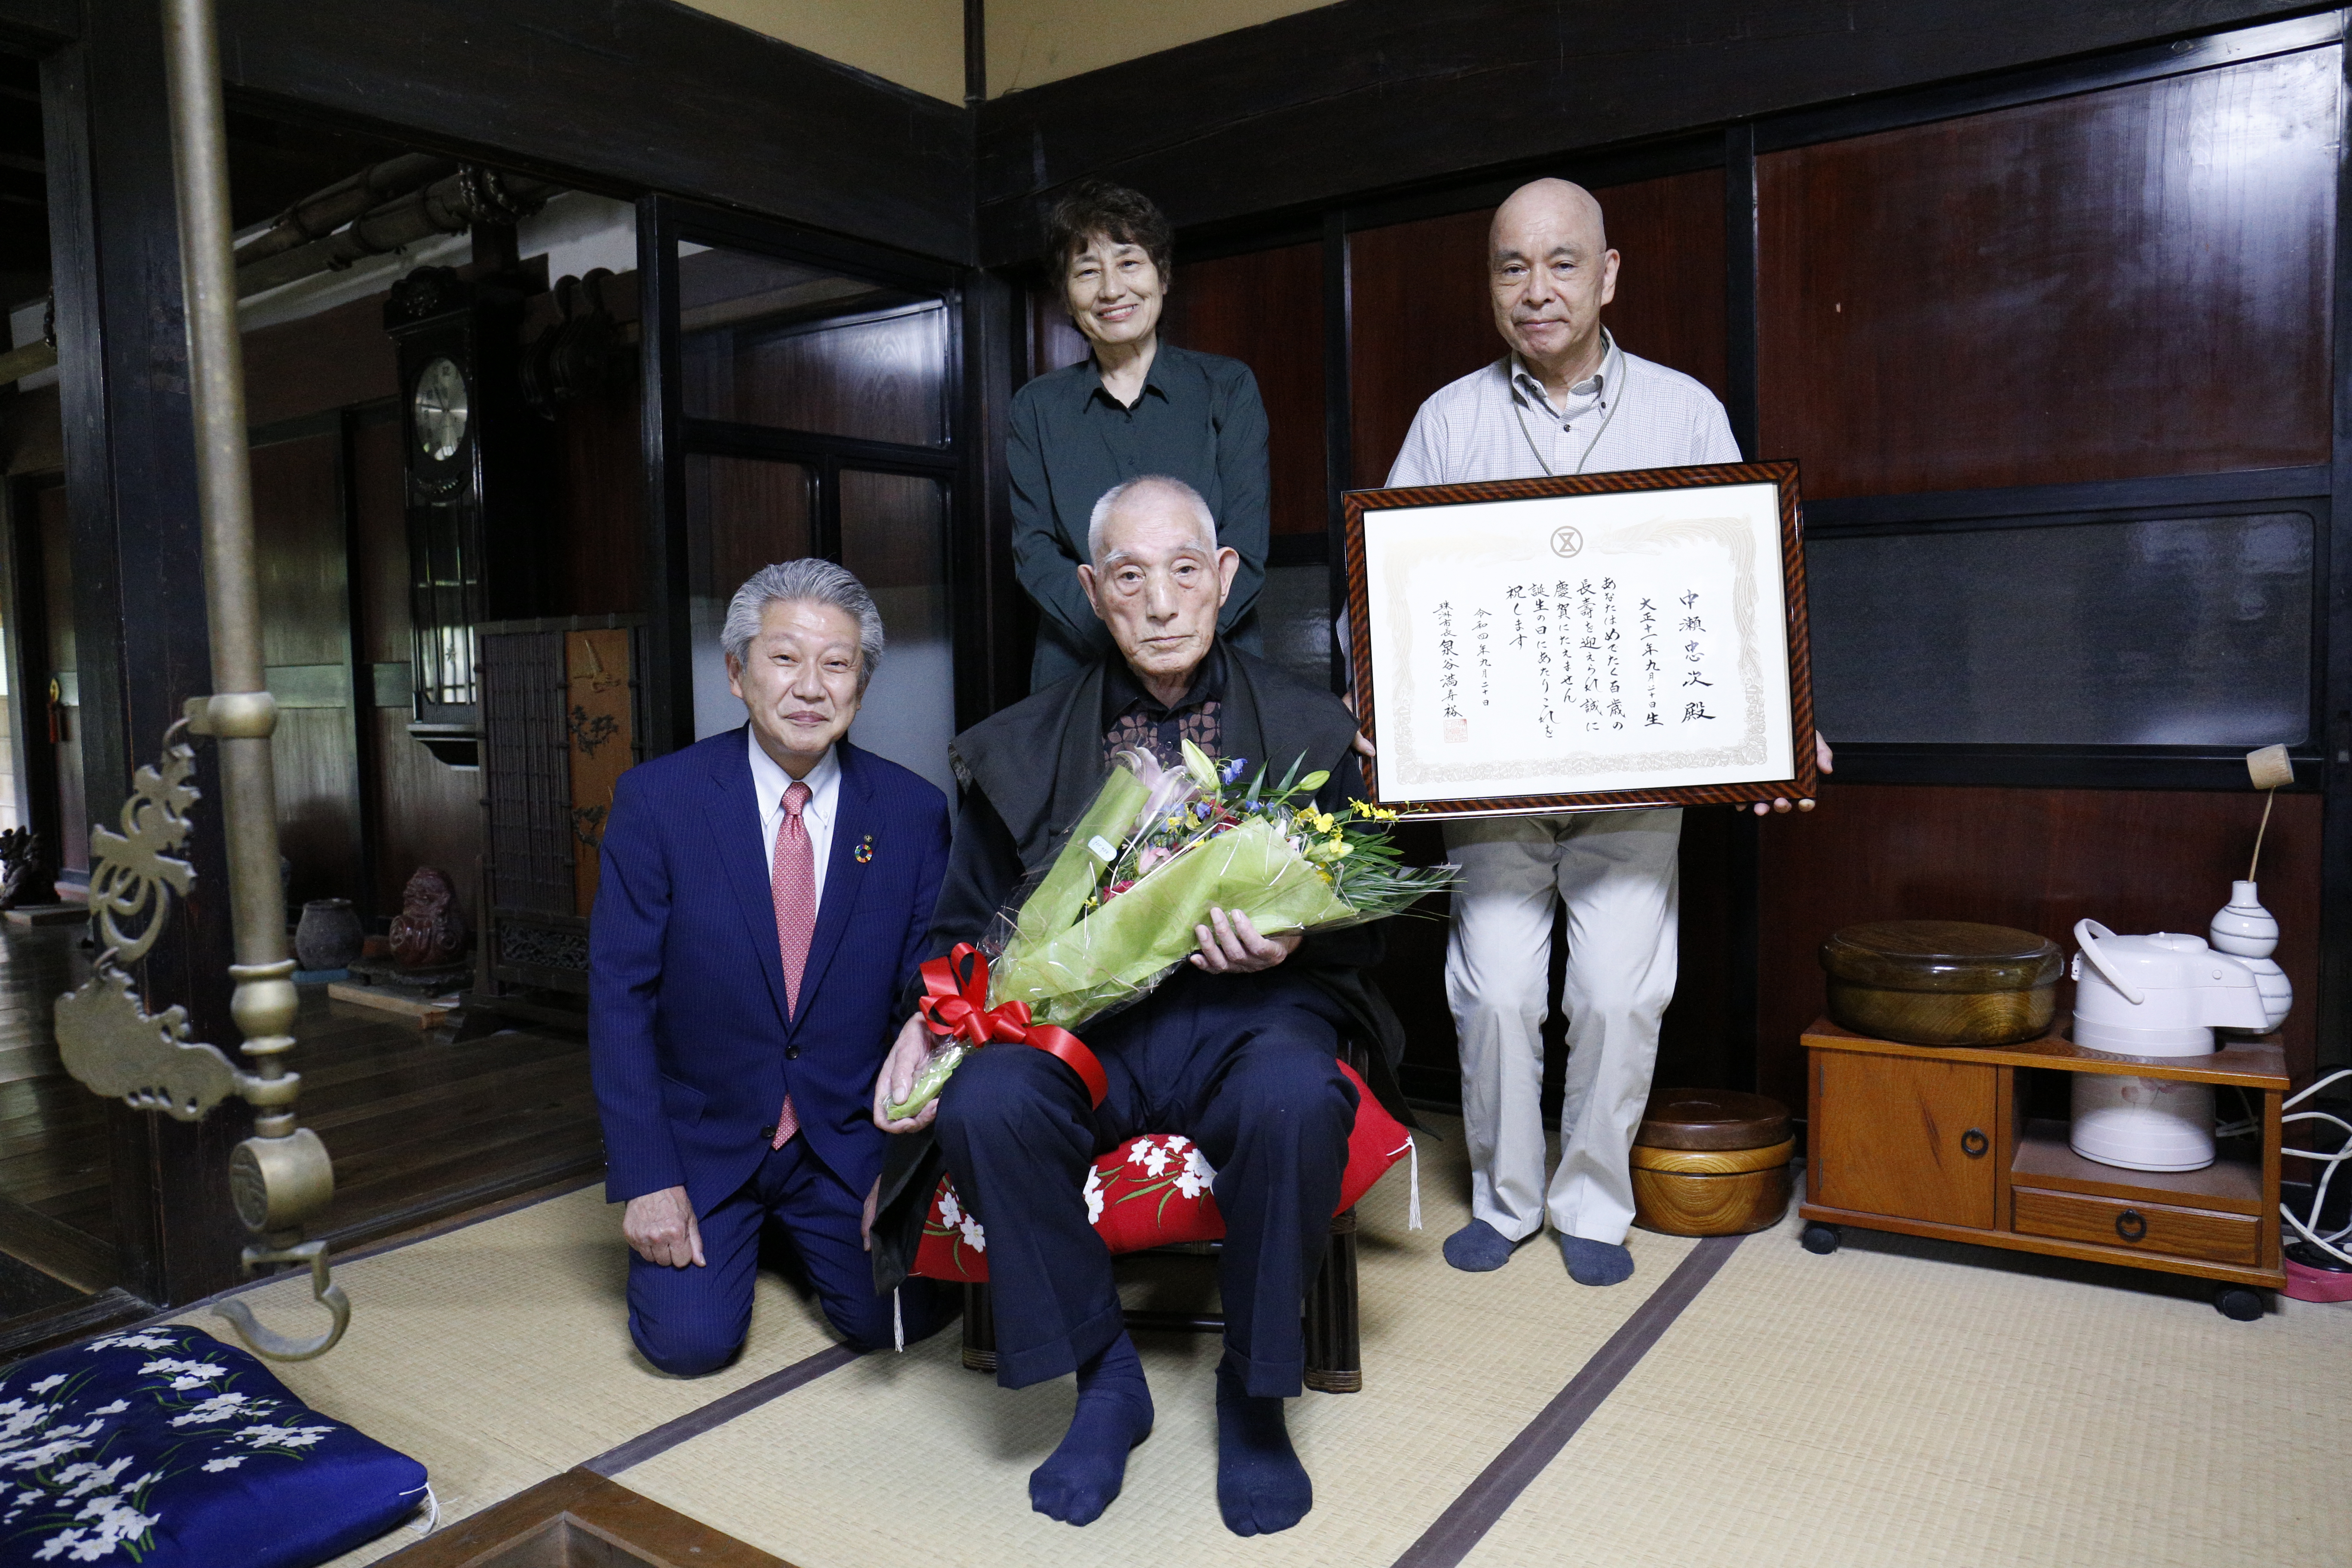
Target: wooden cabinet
1911	1138
1934	1141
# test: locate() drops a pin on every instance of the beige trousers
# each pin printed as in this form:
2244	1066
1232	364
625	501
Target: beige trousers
1616	871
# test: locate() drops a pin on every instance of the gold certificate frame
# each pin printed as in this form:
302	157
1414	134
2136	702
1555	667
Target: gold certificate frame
1583	643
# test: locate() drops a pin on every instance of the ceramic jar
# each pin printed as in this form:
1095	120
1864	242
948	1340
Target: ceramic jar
328	936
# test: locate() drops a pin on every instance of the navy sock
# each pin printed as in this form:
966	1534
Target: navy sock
1080	1478
1478	1247
1261	1485
1593	1262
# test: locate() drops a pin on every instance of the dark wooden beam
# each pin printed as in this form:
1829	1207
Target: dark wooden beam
39	26
1377	95
136	549
629	95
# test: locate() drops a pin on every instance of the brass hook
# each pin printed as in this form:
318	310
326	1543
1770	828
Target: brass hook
323	1290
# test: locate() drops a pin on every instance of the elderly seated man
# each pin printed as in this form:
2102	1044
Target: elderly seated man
1236	1052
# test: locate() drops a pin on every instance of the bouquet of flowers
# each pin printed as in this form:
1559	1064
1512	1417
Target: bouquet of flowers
1114	915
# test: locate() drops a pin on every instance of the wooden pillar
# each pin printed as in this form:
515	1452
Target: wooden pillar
138	571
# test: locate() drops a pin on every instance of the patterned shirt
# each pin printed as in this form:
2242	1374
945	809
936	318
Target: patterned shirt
1134	719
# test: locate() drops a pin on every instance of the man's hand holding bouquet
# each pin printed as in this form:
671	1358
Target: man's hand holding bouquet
1169	864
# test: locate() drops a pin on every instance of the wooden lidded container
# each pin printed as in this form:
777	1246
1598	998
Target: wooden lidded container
1711	1161
1942	983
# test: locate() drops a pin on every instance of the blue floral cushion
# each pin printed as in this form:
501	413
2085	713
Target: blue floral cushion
165	1447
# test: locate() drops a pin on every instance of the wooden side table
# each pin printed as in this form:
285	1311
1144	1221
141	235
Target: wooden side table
1935	1141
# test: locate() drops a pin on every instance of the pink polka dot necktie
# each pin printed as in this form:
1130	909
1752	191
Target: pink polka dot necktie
792	882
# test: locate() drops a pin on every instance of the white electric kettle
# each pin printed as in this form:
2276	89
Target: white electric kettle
2158	996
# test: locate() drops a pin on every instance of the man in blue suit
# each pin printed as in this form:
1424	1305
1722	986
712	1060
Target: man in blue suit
765	895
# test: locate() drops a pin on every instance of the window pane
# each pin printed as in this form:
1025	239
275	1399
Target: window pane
894	535
741	515
772	342
2183	632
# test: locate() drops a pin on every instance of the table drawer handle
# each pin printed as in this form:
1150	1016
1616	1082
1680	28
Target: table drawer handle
2131	1224
1973	1143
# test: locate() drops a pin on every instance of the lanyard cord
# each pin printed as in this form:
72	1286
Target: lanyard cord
1608	412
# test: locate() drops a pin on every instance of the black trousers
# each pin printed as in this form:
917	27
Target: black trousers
1245	1066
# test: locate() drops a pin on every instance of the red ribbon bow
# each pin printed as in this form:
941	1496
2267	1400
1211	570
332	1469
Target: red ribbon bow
955	1002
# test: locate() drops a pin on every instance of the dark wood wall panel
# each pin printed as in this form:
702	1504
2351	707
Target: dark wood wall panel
1420	315
2041	859
600	502
1263	309
333	360
2129	283
435	818
380	556
877	380
744	513
300	545
1372	94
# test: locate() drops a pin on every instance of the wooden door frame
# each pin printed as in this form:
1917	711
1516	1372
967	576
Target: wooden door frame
971	476
25	635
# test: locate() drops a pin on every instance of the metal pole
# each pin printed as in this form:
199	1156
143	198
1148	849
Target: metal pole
241	712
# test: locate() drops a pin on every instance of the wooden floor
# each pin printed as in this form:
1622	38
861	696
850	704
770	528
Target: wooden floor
419	1127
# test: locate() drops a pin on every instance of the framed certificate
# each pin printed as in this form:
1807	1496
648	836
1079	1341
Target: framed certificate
1582	643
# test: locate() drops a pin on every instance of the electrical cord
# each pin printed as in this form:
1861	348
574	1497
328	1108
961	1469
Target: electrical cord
2309	1232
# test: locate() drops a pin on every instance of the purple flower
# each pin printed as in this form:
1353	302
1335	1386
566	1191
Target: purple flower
1232	769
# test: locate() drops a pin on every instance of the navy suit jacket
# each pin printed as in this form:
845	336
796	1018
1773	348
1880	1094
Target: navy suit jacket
691	1045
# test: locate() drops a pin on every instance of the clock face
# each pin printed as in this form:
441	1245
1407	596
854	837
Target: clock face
437	408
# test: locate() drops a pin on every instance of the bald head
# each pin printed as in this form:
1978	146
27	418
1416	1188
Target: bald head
1550	270
1548	207
1158	578
1152	498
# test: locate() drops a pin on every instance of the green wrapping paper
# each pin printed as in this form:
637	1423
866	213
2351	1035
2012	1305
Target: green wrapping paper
1077	945
1122	948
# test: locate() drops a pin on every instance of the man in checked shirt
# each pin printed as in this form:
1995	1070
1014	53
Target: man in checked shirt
1564	399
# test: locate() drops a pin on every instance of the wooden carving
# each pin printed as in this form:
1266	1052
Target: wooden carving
429	932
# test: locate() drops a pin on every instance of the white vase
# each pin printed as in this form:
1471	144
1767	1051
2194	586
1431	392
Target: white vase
2249	933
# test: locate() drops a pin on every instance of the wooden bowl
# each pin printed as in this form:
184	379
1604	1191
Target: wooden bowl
1711	1162
1942	983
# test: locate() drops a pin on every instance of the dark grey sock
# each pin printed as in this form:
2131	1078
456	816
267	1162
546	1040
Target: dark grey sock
1477	1248
1595	1262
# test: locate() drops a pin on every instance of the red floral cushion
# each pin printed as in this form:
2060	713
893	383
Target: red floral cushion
1153	1191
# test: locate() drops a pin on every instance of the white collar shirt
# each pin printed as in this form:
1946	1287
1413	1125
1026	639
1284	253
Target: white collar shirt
1495	424
769	783
1563	436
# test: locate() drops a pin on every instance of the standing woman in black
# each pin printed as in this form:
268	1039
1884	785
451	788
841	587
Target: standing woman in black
1138	406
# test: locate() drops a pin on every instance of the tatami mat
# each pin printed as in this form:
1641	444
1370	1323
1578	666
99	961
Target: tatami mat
499	1355
916	1461
1898	1403
1911	1403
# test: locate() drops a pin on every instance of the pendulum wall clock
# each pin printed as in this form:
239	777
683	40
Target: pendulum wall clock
475	466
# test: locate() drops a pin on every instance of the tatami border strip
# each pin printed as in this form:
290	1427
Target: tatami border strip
1485	1501
719	1411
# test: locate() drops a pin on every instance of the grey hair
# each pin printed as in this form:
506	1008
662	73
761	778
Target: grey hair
1098	519
817	581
